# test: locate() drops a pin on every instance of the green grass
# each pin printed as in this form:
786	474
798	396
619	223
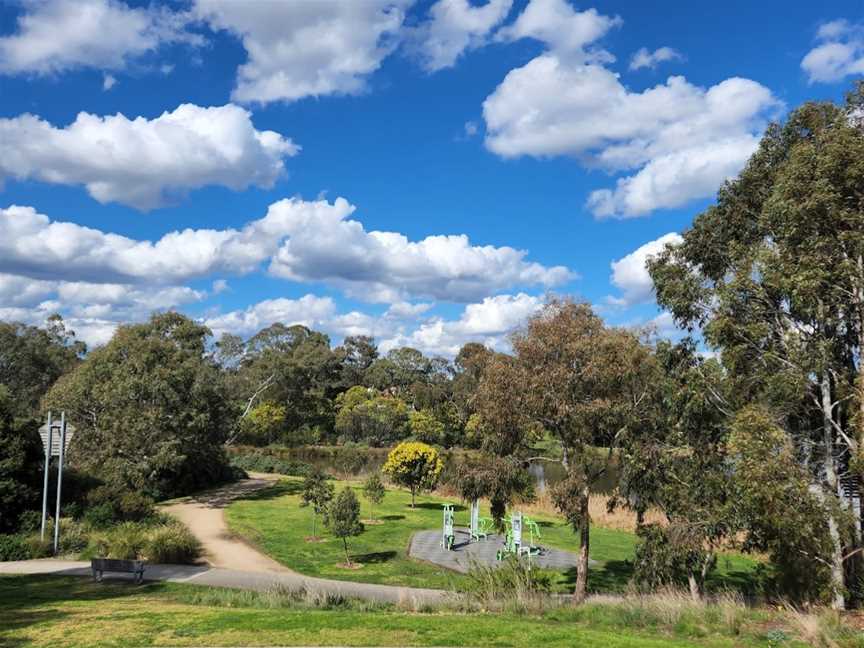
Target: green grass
75	612
273	520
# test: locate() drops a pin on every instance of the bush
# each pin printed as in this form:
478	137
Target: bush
13	547
157	540
172	544
37	547
264	462
125	541
30	521
107	505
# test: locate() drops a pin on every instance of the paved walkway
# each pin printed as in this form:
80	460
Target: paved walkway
426	545
250	580
231	562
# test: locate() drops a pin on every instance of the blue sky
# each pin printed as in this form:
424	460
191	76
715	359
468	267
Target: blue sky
558	137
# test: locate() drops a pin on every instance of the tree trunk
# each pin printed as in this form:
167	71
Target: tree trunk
838	600
313	523
412	497
347	557
584	543
695	592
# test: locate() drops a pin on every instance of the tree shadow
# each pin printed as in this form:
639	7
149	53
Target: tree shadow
434	506
21	595
277	490
391	517
375	558
612	576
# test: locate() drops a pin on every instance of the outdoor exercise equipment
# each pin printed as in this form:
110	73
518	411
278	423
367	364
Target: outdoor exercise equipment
447	536
480	526
513	544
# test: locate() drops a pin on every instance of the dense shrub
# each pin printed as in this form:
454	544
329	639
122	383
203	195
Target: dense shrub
13	547
261	461
162	542
108	505
172	544
125	541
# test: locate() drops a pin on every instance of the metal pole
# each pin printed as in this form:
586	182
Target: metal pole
59	480
45	484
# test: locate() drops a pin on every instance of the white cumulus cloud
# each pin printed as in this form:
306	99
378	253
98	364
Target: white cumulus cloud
567	32
56	35
145	162
630	273
305	241
839	52
644	58
678	141
454	27
306	49
488	322
380	266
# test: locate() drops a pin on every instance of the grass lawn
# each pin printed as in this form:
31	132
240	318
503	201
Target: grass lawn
273	520
75	612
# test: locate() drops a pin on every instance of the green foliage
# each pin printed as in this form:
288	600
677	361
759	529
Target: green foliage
262	460
20	463
374	491
772	274
659	561
172	544
365	415
32	359
13	547
414	465
426	428
502	480
782	516
149	409
317	493
343	518
108	505
264	423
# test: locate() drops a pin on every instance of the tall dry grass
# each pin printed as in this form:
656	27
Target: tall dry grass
621	519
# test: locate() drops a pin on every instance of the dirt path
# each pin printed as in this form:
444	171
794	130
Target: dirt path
203	514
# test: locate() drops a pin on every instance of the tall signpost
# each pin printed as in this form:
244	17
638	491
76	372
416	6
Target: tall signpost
60	480
64	433
46	441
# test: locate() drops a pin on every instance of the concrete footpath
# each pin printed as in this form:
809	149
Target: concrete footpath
236	579
230	561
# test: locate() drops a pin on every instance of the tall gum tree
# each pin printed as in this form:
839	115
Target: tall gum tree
577	380
773	273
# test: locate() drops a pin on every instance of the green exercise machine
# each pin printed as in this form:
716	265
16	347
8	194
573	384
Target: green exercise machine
447	536
517	524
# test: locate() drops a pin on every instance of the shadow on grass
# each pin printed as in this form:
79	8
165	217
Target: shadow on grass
611	576
391	517
377	557
280	489
25	600
435	506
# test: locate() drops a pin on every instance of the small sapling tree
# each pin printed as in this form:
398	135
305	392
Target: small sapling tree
373	491
343	518
317	493
414	465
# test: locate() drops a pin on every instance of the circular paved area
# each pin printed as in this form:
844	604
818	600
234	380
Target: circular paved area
426	545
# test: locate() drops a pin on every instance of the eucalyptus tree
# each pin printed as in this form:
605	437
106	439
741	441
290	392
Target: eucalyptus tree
674	458
773	274
149	409
576	380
